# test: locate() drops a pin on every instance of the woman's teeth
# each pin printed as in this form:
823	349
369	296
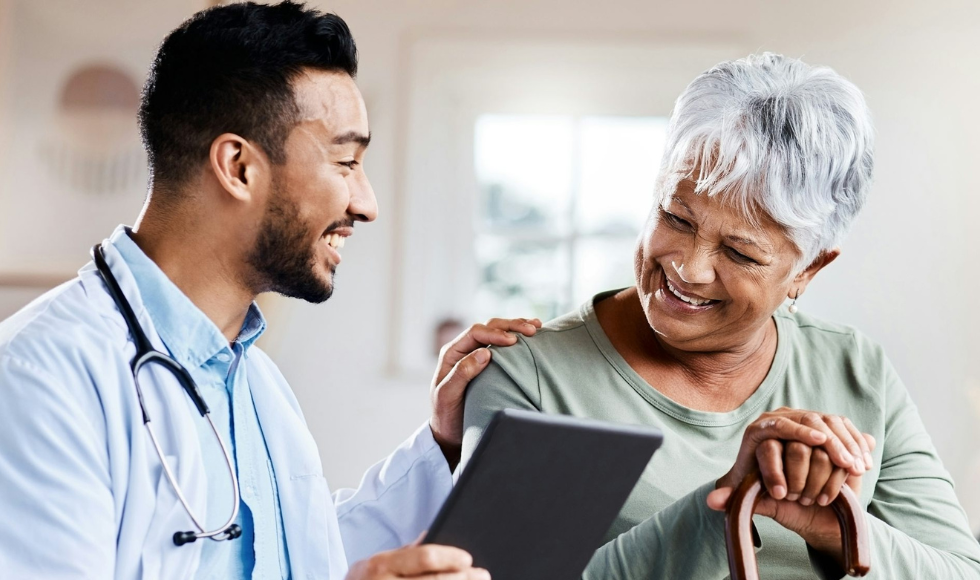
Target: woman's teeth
336	241
693	301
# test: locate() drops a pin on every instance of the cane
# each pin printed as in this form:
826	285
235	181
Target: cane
738	530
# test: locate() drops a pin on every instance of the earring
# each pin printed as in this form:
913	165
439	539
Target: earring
792	307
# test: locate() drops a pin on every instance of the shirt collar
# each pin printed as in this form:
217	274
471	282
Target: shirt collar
190	336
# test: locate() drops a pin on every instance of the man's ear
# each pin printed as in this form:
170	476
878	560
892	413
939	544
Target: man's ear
803	278
239	166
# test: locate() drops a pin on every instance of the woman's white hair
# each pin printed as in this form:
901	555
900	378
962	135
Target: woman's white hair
774	134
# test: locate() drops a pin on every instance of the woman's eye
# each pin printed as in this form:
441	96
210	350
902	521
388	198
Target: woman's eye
740	257
677	222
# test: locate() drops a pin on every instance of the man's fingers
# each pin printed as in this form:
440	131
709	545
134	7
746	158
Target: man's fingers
414	561
471	365
471	574
526	326
797	467
500	333
769	455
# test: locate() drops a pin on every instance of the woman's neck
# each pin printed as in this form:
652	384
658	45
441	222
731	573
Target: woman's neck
719	380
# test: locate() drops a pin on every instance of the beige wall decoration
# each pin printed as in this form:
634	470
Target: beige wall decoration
91	148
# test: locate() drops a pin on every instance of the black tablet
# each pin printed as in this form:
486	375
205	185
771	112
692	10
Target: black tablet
540	492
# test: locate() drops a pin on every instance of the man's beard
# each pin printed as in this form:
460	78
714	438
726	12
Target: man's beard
283	258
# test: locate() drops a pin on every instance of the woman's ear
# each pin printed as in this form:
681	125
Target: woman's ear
238	165
803	278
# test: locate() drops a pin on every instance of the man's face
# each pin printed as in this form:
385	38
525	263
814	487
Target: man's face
320	191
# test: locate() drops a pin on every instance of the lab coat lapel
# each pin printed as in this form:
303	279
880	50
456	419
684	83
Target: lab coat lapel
170	411
303	494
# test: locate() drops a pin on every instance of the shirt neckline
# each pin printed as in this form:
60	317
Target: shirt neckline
667	405
190	336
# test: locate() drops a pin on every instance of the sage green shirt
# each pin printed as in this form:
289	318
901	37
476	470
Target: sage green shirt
665	530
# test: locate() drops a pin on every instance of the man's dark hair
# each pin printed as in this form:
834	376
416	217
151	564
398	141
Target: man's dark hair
228	70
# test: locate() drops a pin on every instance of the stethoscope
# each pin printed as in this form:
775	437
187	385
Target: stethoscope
146	355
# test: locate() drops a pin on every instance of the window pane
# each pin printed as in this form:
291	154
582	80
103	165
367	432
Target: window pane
602	263
524	171
521	279
620	158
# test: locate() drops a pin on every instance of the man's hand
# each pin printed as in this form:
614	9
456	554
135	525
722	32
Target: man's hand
426	562
460	362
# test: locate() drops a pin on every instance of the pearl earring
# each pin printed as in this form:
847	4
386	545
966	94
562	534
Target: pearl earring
792	307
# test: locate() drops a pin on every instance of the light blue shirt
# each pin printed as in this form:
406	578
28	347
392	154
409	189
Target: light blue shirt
82	489
197	344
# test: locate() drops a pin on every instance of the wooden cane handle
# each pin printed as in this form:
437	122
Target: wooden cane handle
738	530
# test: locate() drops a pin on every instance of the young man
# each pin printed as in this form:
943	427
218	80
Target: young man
256	135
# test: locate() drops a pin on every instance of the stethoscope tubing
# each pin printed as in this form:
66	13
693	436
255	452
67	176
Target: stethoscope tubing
146	354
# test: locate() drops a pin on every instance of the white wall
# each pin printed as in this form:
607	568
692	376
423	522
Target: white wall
906	277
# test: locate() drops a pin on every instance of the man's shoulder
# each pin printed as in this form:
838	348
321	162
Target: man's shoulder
65	324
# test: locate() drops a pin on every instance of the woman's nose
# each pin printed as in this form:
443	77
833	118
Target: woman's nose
696	268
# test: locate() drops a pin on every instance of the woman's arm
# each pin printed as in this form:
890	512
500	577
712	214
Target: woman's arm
918	529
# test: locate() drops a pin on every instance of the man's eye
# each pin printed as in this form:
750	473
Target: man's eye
348	164
740	257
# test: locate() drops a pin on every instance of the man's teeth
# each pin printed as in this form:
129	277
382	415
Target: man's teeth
336	241
693	301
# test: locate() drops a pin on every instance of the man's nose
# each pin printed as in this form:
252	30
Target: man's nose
363	204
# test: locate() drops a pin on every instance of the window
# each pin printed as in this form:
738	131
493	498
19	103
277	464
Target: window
562	201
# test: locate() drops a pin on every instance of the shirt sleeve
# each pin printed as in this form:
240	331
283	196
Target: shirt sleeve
918	529
397	499
55	497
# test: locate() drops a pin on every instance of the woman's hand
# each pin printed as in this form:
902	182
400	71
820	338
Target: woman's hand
802	477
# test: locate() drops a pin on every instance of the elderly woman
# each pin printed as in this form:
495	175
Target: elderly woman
768	161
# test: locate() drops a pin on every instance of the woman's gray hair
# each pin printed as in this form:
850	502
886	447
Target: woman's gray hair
772	133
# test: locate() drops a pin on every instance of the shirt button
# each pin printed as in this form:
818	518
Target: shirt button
224	357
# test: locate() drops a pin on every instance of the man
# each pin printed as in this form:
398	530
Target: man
256	135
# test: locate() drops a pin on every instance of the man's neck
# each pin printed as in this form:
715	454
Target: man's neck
200	265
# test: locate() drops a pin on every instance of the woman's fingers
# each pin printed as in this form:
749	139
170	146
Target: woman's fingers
783	428
821	470
862	442
769	455
832	487
837	425
797	462
838	452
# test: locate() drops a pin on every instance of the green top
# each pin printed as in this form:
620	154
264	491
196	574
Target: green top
665	530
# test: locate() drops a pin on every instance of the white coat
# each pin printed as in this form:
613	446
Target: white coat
83	494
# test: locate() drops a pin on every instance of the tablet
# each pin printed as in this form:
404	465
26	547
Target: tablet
540	492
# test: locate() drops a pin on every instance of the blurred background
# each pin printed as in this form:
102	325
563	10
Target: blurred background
515	147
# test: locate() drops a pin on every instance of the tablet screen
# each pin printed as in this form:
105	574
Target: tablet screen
541	491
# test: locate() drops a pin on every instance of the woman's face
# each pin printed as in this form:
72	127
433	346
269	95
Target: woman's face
709	279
